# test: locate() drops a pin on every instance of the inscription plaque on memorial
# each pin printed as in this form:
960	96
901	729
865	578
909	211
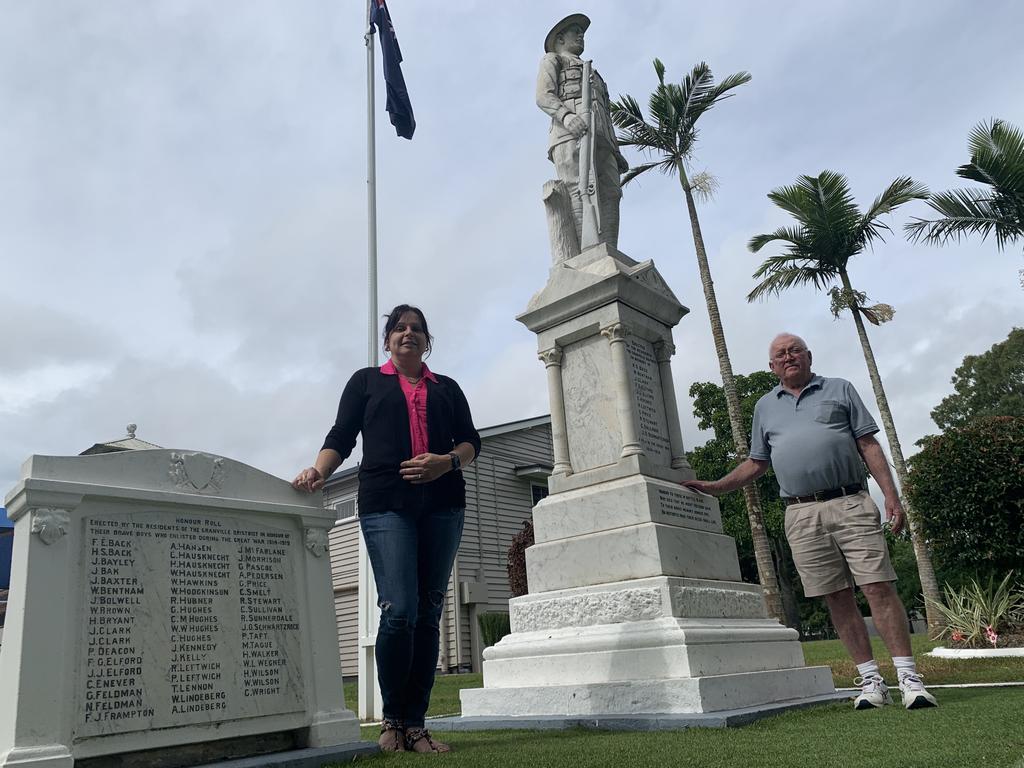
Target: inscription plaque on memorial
648	397
189	618
688	509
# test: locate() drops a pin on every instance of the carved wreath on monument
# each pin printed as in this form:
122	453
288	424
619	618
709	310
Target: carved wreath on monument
199	472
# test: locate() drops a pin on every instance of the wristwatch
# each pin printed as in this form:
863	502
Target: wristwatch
456	461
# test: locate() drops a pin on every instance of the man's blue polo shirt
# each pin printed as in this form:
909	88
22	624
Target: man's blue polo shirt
811	439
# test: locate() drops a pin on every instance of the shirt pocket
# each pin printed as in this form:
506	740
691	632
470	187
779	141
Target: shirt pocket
830	412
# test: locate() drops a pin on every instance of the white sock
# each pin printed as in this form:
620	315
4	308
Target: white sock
904	666
869	668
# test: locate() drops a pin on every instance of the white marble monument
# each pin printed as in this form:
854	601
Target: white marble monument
163	600
636	607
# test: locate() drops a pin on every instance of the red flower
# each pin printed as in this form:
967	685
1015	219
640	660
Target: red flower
991	635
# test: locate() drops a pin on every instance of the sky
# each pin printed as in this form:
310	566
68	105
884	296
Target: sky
183	215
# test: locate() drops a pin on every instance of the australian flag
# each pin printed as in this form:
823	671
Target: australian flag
399	107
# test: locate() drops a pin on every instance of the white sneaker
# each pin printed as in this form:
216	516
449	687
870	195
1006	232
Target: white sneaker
914	694
874	693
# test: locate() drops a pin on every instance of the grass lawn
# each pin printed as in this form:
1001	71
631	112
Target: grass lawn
980	726
936	671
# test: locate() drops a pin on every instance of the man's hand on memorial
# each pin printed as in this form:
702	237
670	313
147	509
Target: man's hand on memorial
709	487
894	515
575	124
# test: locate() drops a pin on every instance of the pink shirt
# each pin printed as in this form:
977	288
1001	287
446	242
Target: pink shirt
416	404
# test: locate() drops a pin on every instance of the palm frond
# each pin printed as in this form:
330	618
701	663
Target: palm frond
826	212
782	272
964	212
635	130
997	157
670	129
901	190
997	160
632	173
792	235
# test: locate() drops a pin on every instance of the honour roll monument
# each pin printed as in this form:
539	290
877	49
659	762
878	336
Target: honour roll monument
636	611
168	608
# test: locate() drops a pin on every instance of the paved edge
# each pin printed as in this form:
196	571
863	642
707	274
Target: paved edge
302	758
729	718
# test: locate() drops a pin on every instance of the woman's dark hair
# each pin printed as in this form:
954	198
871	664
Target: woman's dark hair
391	320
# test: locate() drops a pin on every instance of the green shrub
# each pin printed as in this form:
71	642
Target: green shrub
975	616
493	627
967	486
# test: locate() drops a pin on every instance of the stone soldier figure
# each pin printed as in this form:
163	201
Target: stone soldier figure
560	93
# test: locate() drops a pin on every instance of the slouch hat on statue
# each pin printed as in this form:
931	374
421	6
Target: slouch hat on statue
572	18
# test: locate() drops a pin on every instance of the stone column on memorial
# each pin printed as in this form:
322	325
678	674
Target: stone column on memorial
616	334
663	351
552	359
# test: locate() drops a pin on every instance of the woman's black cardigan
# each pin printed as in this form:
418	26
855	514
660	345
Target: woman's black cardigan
373	403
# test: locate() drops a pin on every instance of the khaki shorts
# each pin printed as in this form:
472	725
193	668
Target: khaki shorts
838	542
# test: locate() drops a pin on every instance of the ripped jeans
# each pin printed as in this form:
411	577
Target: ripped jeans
412	552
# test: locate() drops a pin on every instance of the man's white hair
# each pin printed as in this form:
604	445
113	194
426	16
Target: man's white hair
785	335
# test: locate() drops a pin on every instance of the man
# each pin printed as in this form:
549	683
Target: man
814	431
560	95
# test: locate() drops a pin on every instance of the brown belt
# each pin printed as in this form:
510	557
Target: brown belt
831	493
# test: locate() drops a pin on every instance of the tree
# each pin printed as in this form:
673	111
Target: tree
670	137
967	485
830	231
997	160
989	384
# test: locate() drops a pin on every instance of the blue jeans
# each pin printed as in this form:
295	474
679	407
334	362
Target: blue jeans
412	552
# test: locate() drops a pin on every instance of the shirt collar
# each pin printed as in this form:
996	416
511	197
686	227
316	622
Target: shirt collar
816	381
389	370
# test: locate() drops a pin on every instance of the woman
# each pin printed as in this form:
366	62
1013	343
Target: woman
417	434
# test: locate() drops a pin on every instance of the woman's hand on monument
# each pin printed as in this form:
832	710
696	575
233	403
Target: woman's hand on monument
308	480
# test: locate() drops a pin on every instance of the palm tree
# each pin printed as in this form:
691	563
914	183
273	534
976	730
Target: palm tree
831	230
997	159
670	136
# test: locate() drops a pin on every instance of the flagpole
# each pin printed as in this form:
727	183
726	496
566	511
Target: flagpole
369	705
371	192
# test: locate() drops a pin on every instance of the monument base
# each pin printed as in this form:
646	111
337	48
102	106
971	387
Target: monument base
652	697
729	718
657	646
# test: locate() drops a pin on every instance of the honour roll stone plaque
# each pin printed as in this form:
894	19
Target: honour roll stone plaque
649	401
170	608
190	618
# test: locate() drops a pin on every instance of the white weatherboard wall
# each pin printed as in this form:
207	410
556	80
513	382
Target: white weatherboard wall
164	598
636	604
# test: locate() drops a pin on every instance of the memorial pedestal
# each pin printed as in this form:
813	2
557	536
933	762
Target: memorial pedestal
164	599
636	605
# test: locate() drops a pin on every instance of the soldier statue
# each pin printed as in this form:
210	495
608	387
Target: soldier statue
581	141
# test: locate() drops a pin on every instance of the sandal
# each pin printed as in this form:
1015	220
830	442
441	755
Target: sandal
420	740
392	736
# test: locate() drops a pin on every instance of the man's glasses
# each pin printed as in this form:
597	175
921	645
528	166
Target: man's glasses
782	354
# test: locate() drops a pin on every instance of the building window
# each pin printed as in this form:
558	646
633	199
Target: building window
539	492
343	510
